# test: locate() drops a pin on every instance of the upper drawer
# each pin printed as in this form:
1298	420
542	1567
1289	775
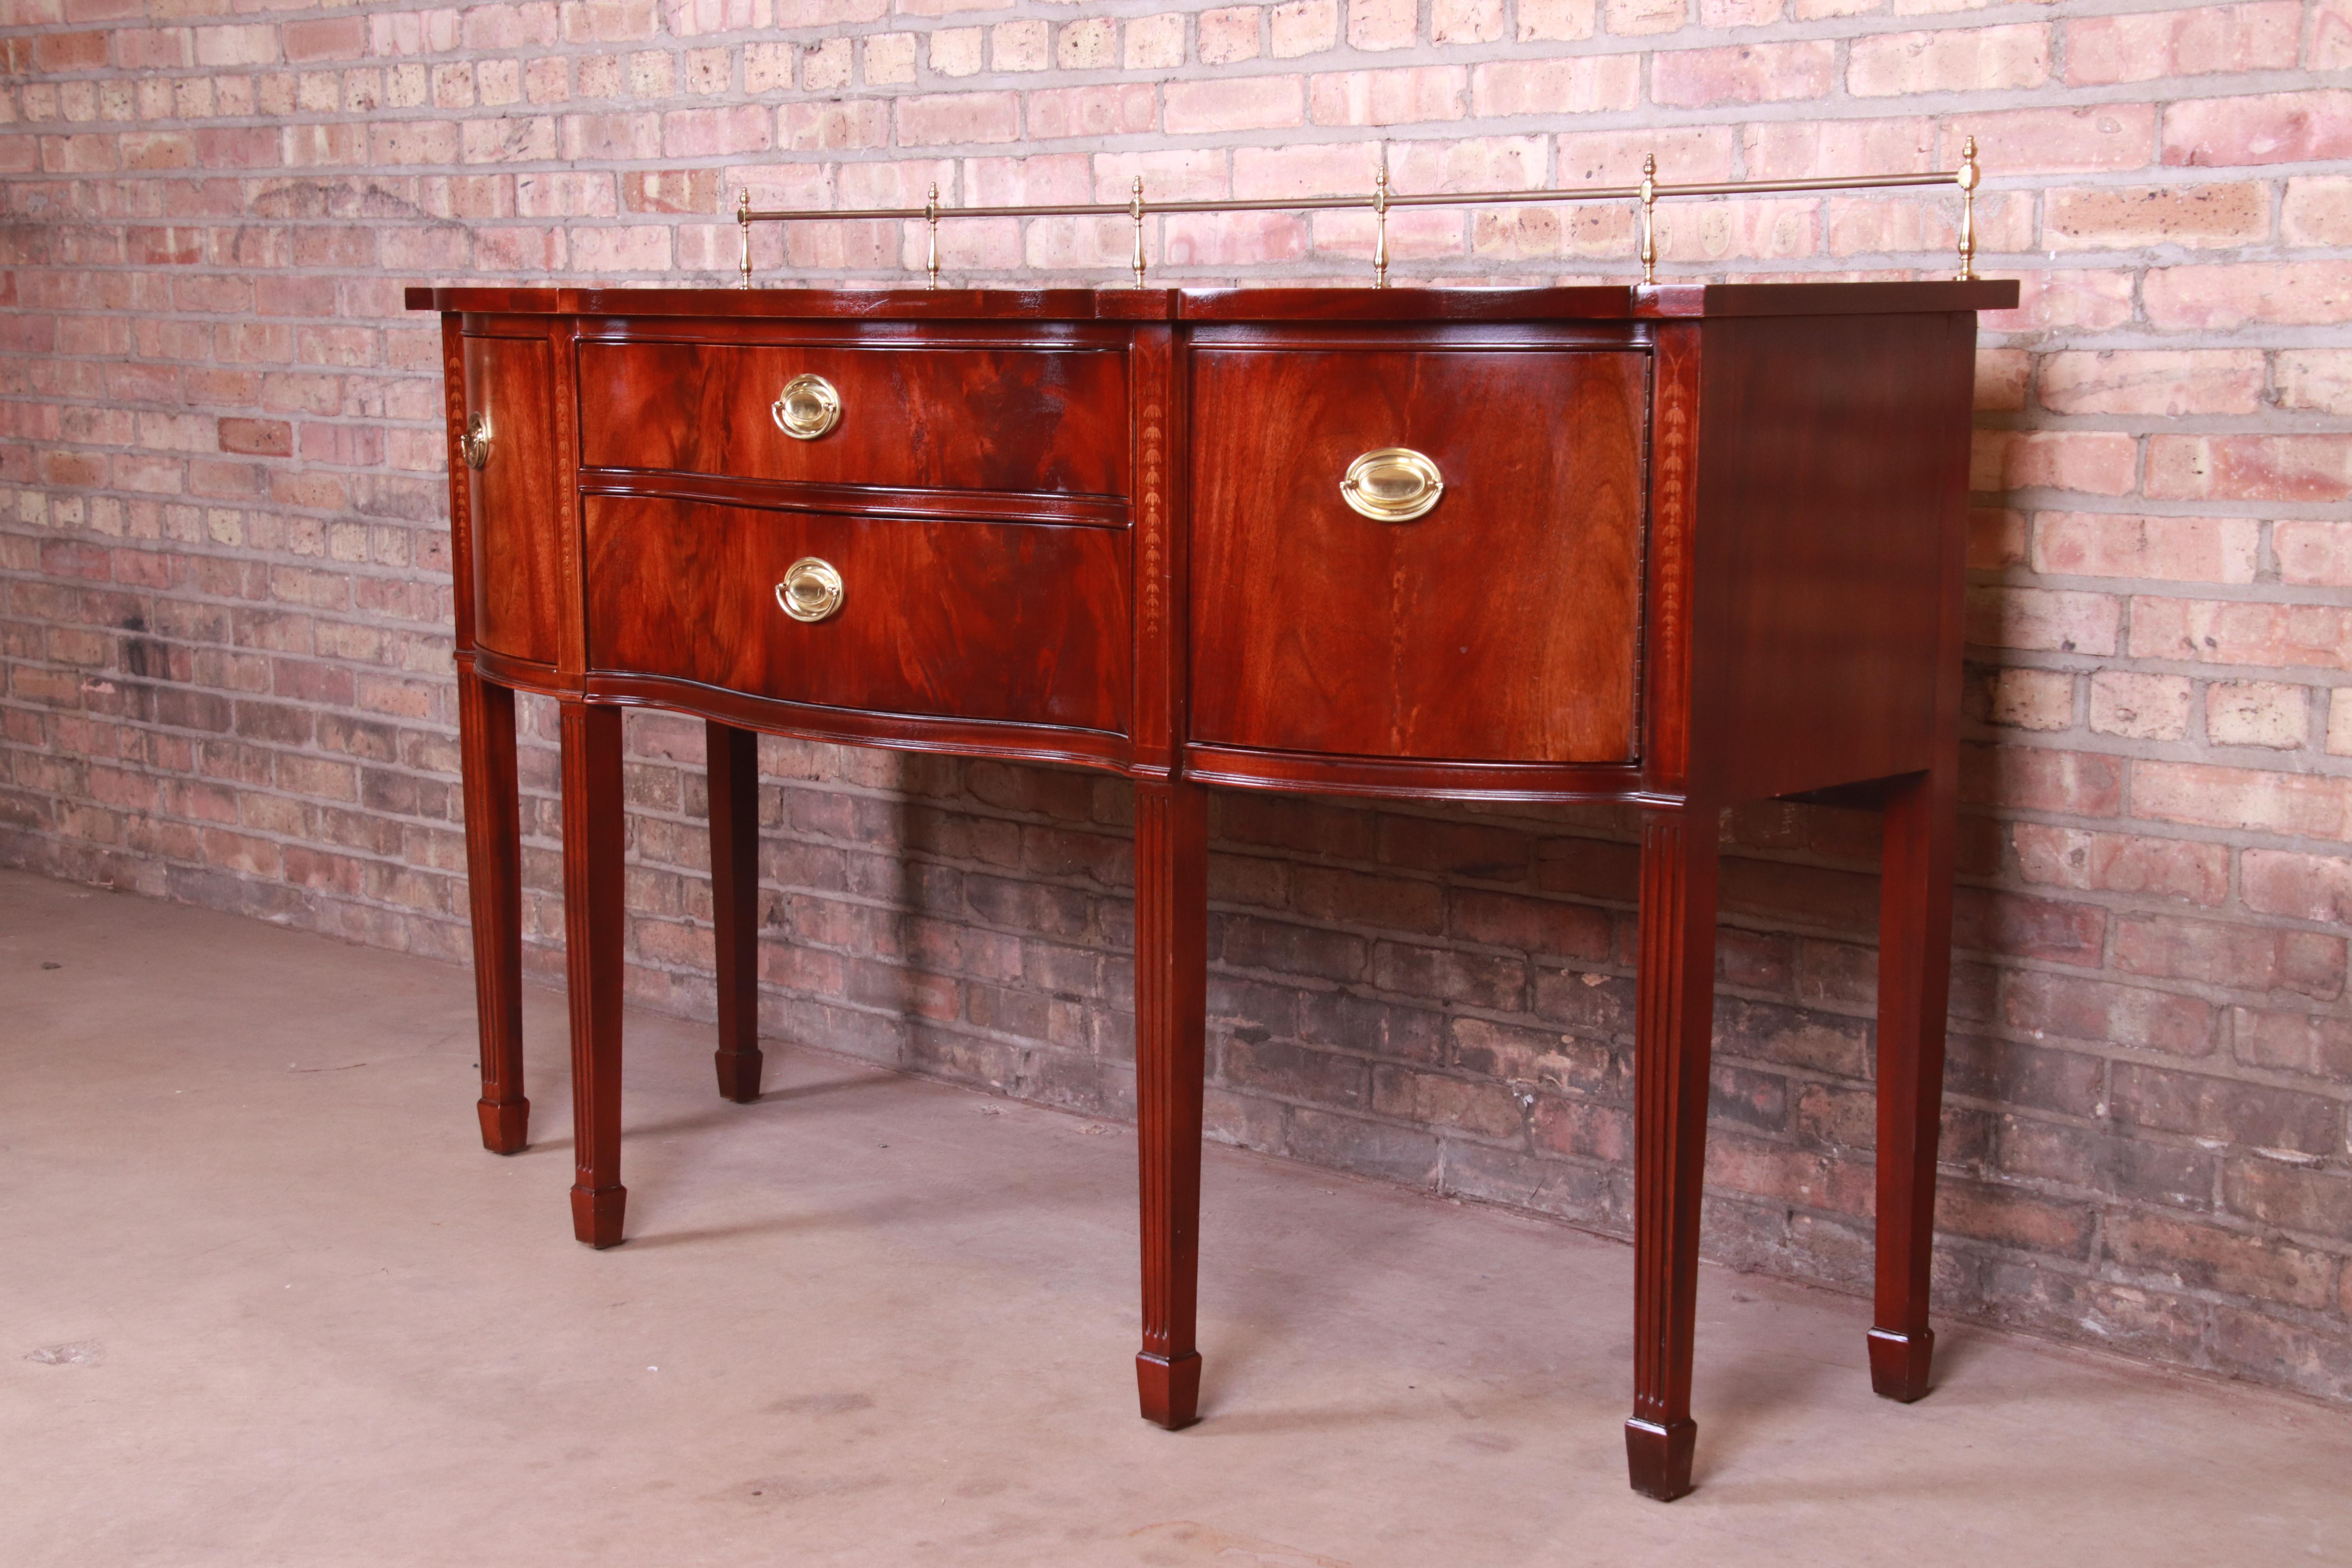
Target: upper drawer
1498	624
1050	420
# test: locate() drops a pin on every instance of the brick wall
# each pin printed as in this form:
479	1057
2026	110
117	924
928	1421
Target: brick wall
224	553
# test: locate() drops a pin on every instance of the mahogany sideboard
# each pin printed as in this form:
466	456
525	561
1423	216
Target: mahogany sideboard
1677	546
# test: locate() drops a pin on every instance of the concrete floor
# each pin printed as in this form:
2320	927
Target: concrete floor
267	1301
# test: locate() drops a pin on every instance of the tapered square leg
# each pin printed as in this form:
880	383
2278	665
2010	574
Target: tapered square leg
486	738
734	765
1171	912
1674	1015
1915	974
594	918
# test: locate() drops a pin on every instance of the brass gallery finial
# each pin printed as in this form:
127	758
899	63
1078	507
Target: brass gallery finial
743	225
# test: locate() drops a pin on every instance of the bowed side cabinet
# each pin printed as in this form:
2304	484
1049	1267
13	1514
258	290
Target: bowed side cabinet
1678	547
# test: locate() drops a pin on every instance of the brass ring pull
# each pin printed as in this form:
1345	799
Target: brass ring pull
476	442
1392	484
811	590
806	408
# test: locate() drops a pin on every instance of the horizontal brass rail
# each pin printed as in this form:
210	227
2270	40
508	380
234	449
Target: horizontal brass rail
1649	193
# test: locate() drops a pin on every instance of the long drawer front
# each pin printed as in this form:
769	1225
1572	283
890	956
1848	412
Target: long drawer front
1015	419
1023	623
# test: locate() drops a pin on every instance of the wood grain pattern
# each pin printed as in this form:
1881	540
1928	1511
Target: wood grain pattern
1398	778
1501	627
1016	622
1674	1017
1673	475
596	922
990	419
486	740
1104	528
516	576
461	525
1825	472
1914	947
1172	976
1612	301
1914	966
734	775
1158	377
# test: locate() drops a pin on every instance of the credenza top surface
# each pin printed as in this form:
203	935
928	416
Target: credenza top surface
1591	302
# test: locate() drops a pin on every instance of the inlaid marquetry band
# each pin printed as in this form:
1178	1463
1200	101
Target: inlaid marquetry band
1647	194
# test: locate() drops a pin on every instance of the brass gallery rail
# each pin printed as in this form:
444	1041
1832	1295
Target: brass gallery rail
1649	193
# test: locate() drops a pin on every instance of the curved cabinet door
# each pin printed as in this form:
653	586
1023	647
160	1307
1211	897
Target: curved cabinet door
517	568
1499	624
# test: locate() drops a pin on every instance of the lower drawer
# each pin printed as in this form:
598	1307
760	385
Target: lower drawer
1023	623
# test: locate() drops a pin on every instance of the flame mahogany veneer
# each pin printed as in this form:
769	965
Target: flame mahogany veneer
1696	544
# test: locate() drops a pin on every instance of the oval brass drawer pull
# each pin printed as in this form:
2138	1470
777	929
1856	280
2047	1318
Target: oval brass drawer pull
1392	484
811	590
807	408
475	443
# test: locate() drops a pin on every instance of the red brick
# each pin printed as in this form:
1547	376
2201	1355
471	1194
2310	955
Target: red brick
2178	549
2122	863
2305	886
2241	632
2101	1012
2103	50
1234	103
1959	60
2251	467
2116	217
257	437
2169	383
330	39
1754	73
2045	929
2253	958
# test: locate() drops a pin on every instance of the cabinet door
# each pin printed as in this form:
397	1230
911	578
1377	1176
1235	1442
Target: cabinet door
1501	624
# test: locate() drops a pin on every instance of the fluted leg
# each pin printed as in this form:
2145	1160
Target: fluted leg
1171	1001
594	917
485	742
1673	1017
734	765
1915	975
